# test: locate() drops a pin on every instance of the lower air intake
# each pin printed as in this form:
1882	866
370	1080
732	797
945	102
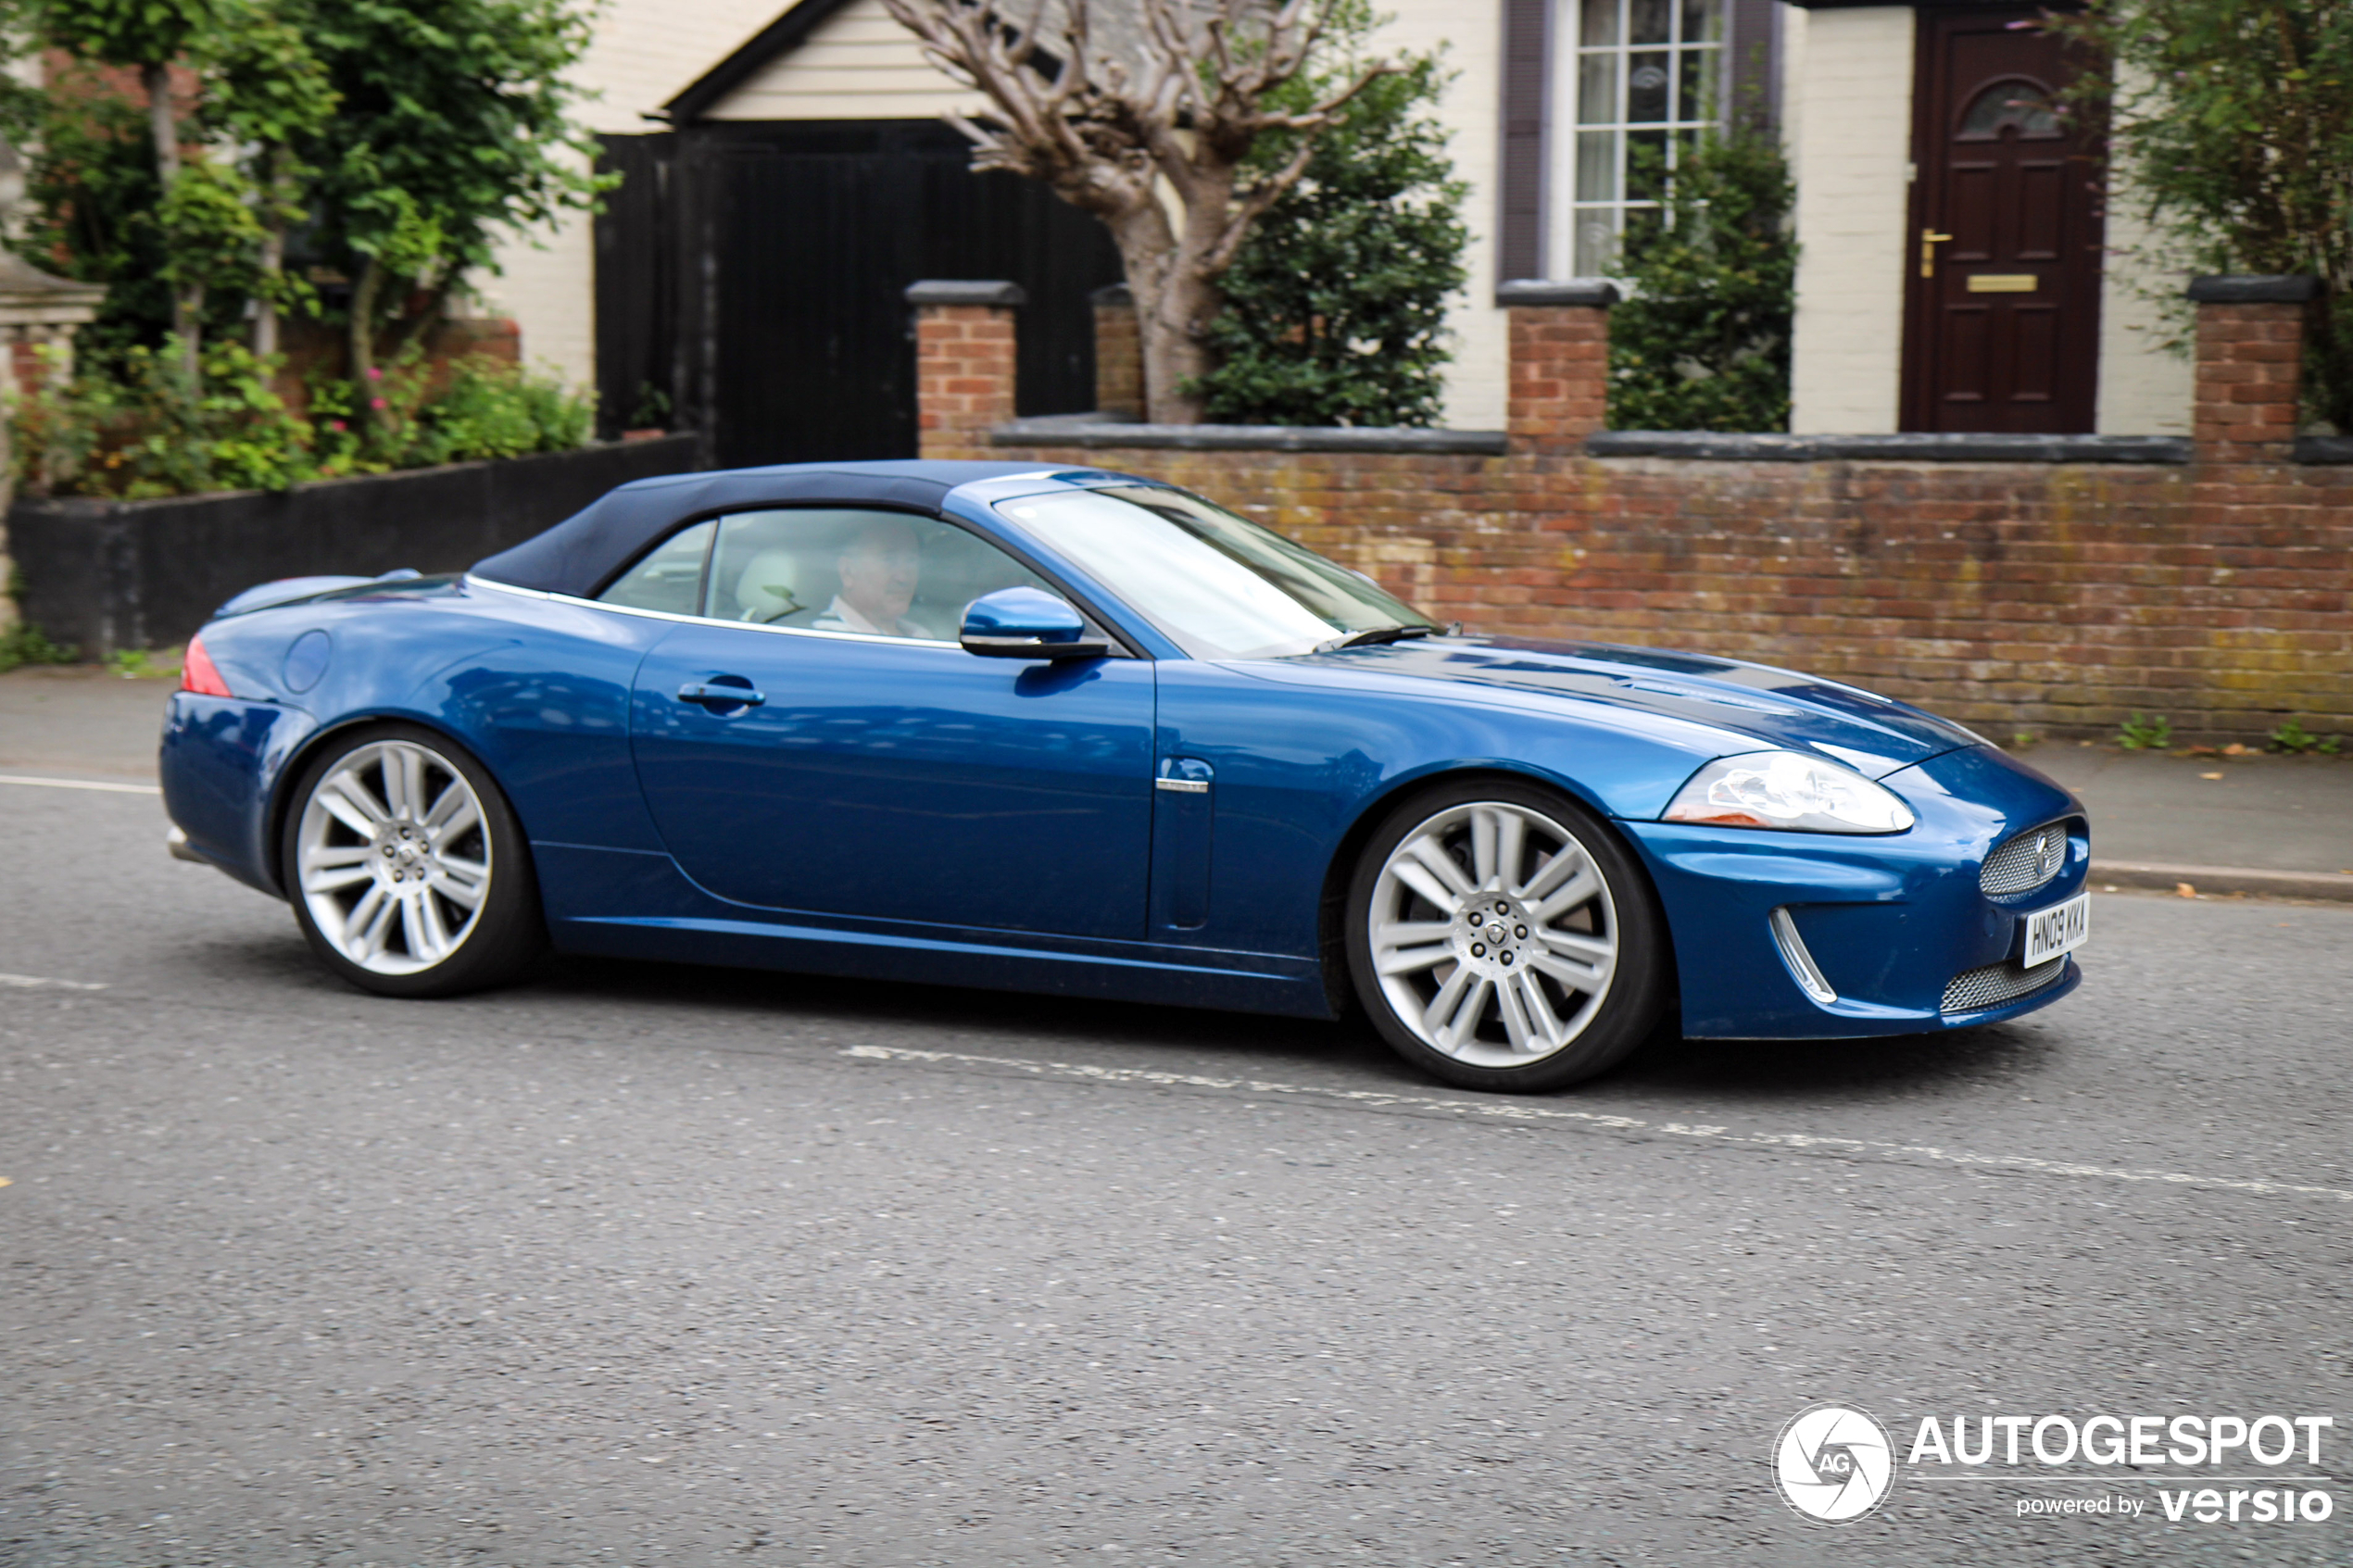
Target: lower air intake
1976	989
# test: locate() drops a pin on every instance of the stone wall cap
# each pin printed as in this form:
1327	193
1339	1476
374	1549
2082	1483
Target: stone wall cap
1590	292
1087	431
960	290
2251	288
1113	295
1909	447
31	297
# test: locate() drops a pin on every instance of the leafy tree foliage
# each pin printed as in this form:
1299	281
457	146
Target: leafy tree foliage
2231	122
92	193
1336	302
451	123
147	36
396	137
270	89
138	34
1703	340
405	132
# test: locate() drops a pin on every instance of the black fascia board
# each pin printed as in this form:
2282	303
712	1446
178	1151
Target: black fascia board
1919	5
781	36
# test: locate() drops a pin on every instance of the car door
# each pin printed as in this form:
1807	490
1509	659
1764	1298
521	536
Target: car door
817	741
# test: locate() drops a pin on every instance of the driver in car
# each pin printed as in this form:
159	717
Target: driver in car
879	568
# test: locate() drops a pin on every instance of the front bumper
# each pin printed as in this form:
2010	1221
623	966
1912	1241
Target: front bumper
1890	922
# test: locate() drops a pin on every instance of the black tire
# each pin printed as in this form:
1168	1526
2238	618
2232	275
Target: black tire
498	938
1604	1024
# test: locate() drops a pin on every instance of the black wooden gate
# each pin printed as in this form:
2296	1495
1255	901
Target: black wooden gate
753	275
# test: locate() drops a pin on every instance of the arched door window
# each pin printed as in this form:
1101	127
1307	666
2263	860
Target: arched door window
2016	105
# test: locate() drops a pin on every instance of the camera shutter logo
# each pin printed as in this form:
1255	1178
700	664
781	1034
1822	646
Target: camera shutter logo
1833	1463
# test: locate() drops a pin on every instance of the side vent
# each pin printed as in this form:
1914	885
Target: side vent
1801	962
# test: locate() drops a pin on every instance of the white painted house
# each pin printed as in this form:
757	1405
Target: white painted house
1954	272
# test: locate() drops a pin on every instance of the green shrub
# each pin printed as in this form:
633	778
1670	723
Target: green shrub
2145	732
140	664
494	409
135	425
1336	304
2294	739
1702	342
25	643
2231	125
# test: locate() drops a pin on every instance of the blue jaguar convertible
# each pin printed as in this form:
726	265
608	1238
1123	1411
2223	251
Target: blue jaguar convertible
988	725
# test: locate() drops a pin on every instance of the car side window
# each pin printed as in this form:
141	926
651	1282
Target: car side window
843	569
669	578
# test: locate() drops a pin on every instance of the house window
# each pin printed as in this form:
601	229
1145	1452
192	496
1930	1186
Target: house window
1645	78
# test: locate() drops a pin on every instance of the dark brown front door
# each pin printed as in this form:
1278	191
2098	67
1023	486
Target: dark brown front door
2002	329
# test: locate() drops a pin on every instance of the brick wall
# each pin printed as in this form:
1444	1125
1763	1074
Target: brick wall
2250	356
2047	597
1119	354
963	360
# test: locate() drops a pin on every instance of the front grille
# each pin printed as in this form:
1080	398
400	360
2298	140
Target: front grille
2026	862
1976	989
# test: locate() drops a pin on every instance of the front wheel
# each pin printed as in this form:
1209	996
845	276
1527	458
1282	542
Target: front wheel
1502	938
407	870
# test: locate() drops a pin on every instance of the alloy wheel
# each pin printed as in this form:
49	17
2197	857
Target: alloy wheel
1493	934
393	856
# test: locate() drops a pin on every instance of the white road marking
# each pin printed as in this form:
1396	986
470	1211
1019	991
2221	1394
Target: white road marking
34	981
1522	1110
81	783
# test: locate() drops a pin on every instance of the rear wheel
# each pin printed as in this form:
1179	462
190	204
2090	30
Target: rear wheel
1500	938
407	870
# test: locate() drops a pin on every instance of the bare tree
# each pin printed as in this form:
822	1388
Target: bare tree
1146	123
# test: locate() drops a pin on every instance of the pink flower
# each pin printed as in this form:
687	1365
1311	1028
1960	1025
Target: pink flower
335	424
378	402
375	372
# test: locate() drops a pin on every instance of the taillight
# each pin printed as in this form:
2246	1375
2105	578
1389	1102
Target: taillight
198	674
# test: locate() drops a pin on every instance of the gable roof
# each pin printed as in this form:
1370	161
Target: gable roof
1117	34
780	37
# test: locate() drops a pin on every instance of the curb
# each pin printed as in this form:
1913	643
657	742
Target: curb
2337	887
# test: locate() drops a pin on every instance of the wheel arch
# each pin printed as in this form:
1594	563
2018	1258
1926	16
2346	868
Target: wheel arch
1331	923
297	763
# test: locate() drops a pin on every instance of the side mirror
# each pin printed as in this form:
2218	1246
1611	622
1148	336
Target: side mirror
1027	623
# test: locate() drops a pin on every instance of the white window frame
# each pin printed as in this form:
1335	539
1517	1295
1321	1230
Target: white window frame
1570	209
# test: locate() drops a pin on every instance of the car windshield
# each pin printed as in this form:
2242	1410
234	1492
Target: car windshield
1218	585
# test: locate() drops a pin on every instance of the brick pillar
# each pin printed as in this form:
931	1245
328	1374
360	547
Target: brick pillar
1559	362
1119	353
963	363
2250	358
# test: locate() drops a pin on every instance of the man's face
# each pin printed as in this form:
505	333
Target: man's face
879	571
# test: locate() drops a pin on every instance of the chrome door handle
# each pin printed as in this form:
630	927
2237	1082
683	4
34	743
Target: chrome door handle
711	694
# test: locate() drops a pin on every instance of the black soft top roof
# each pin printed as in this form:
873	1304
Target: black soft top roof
583	552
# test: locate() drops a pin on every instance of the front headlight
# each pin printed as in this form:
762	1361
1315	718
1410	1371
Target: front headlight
1787	789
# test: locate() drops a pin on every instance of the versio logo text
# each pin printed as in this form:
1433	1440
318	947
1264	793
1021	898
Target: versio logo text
2044	1447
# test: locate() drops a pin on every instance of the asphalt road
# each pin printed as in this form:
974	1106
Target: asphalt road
641	1265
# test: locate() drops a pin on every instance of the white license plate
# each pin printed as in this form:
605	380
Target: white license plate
2060	929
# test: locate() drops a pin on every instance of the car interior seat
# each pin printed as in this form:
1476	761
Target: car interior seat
778	587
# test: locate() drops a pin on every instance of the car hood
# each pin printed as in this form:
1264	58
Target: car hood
1756	702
